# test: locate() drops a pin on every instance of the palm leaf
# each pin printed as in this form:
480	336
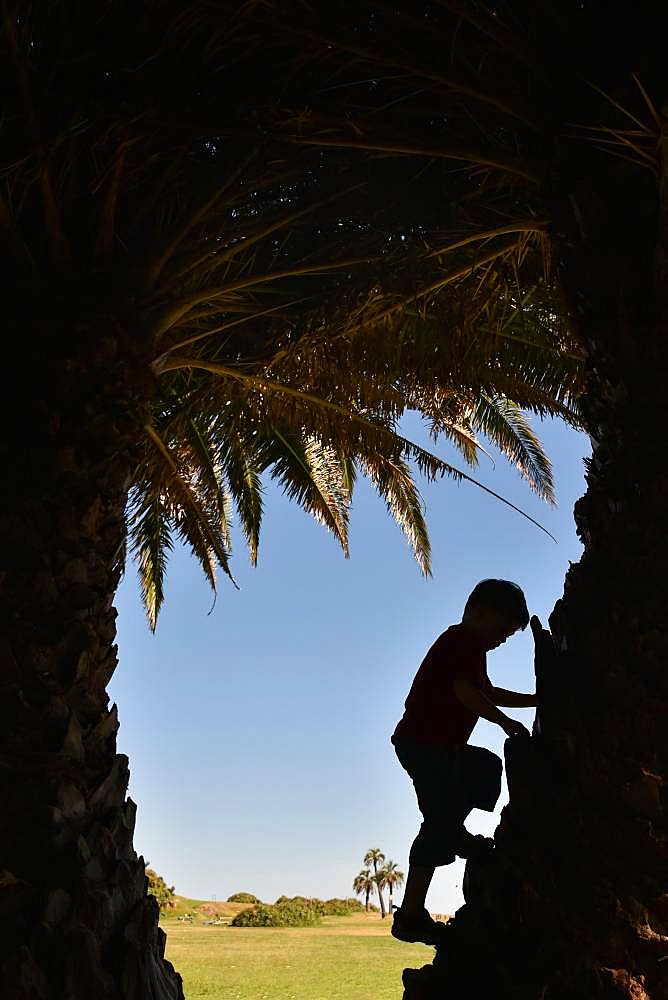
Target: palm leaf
504	423
195	523
311	475
236	453
210	480
392	480
151	542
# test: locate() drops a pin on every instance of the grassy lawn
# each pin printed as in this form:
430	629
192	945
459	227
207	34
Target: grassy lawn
347	958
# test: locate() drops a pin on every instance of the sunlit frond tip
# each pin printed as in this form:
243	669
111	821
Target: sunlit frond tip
151	543
393	481
503	422
170	500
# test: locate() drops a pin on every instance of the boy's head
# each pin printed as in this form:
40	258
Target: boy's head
496	609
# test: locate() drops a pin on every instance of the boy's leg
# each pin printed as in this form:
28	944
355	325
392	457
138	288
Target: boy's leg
432	773
412	921
418	881
478	787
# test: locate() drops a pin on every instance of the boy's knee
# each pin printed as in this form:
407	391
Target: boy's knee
435	844
431	856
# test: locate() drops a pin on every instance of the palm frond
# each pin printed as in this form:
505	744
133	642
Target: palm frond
208	473
236	453
393	481
475	157
504	423
194	521
312	476
151	542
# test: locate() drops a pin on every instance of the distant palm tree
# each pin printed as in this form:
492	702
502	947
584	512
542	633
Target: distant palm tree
392	877
363	885
374	856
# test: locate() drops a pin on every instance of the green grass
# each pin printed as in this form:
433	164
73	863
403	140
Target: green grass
347	958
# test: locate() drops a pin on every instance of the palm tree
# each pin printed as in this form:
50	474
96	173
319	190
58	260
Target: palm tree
392	877
375	857
183	316
521	143
363	885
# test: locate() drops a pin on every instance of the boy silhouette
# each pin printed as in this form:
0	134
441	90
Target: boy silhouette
450	692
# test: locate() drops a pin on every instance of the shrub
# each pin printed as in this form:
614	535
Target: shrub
324	908
288	913
243	897
342	907
158	887
304	901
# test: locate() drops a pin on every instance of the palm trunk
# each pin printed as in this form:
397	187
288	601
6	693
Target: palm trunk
75	918
380	894
573	903
366	903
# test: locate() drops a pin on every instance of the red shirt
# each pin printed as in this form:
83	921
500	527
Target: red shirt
433	712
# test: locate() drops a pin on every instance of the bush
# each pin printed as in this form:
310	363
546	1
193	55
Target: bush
243	897
324	908
288	913
342	907
158	887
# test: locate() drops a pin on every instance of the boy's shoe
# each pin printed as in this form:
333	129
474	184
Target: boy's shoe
416	928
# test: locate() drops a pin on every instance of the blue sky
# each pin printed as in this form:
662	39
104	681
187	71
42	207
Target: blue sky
258	732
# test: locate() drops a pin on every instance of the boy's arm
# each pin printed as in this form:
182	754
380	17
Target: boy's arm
478	702
513	699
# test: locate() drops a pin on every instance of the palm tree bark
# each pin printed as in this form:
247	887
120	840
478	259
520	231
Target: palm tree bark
380	892
573	902
383	913
75	918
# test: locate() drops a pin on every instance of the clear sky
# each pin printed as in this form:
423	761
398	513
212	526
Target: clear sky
258	733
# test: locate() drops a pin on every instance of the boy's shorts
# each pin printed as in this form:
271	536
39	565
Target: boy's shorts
449	783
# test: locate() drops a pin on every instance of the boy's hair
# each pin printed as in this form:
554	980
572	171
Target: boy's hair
502	596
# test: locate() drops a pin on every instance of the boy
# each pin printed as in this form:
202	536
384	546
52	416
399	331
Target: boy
450	692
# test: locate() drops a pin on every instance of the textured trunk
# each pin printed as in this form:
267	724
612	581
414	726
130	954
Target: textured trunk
380	893
76	922
573	903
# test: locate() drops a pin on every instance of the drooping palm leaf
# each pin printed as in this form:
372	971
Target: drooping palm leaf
151	542
504	423
196	521
393	481
238	461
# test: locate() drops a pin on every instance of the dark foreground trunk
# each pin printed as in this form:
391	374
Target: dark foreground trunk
573	903
76	922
